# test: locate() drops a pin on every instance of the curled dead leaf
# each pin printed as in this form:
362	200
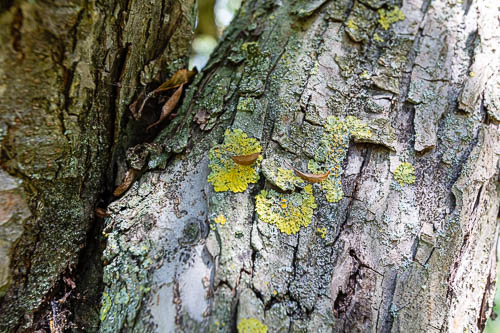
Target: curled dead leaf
134	107
182	76
101	212
130	176
168	107
312	177
69	282
245	159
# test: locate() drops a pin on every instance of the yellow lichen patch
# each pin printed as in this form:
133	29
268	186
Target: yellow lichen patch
105	305
225	173
377	38
365	75
388	17
289	212
405	174
251	325
247	45
221	219
286	179
333	150
351	25
333	189
322	232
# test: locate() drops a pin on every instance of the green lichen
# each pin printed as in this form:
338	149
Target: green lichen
127	260
322	232
404	174
105	305
365	75
333	150
246	104
286	179
257	64
361	22
388	17
250	47
352	25
289	212
225	173
251	325
377	38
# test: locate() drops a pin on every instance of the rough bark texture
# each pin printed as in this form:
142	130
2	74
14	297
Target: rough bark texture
395	258
69	70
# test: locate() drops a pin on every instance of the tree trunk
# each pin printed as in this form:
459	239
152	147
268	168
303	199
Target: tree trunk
353	88
387	255
68	72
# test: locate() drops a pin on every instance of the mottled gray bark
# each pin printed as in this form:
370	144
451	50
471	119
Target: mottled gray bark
394	258
69	70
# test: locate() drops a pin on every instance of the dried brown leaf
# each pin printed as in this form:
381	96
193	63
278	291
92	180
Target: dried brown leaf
245	159
69	282
101	212
181	77
311	177
168	107
130	176
134	107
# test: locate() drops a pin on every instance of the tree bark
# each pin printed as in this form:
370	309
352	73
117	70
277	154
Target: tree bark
395	257
388	256
69	71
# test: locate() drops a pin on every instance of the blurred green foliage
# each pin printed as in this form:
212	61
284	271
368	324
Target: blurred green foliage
493	325
213	17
